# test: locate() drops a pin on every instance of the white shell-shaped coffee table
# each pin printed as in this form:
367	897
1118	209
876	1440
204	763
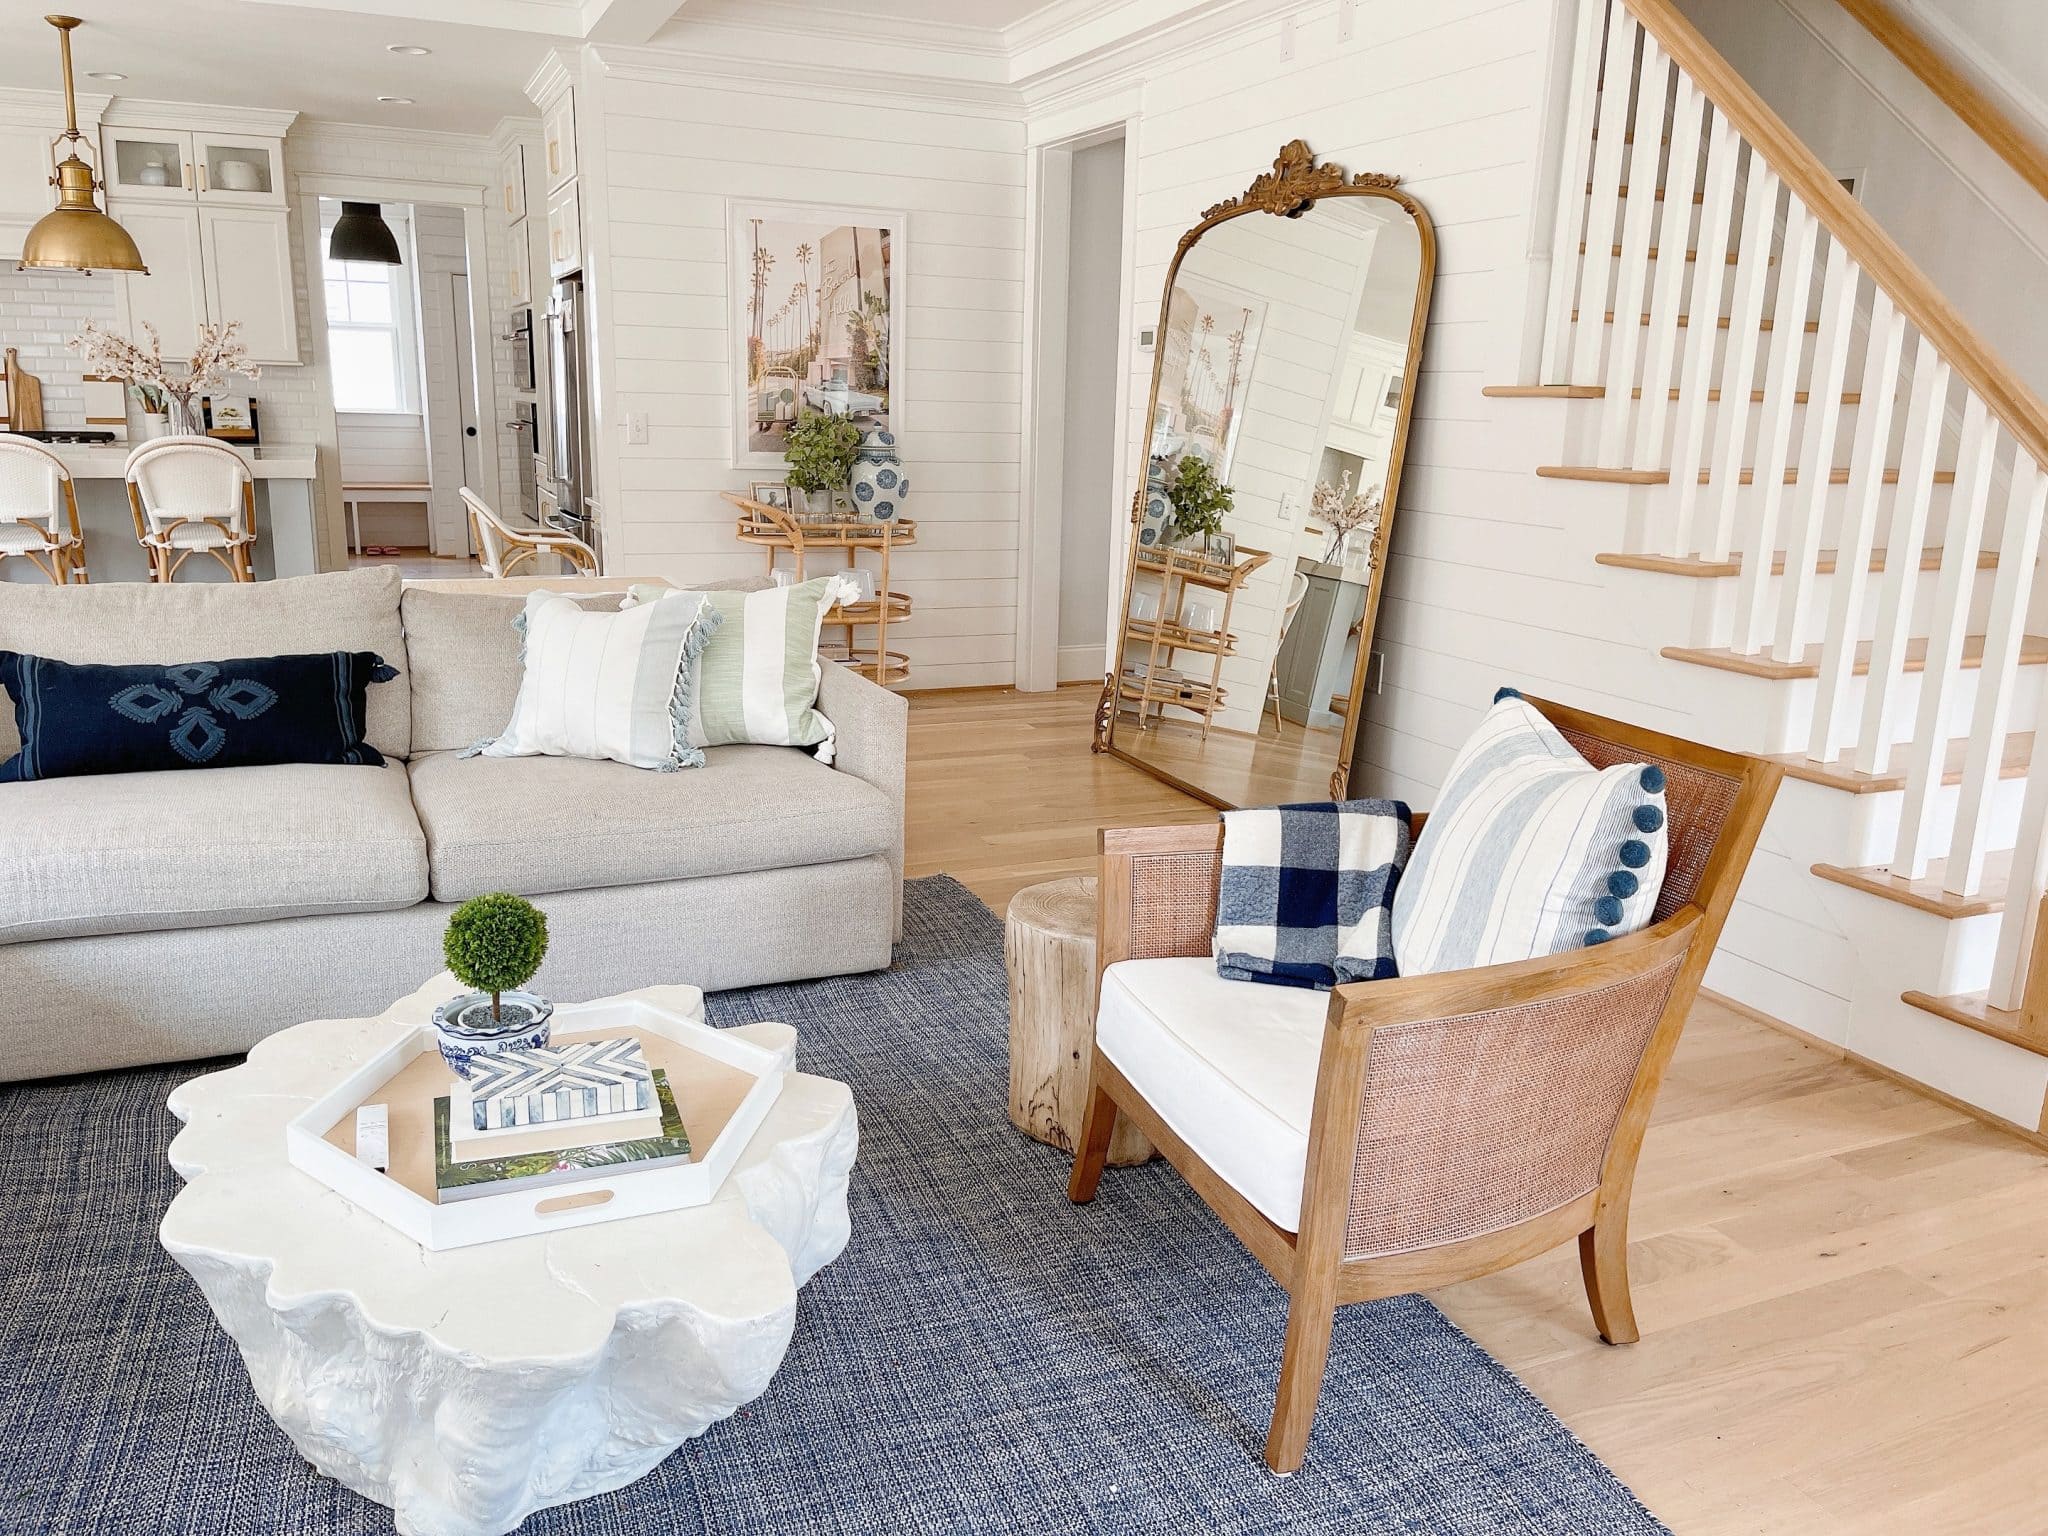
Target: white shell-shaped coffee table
467	1388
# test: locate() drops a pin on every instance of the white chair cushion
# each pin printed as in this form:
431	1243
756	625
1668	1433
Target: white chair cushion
16	537
1229	1065
196	536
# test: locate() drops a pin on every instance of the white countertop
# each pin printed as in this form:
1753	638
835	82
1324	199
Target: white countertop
108	461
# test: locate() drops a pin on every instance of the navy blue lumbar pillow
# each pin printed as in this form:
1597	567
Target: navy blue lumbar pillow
80	718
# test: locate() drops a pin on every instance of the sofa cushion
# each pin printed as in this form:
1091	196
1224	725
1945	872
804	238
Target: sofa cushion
123	621
464	655
138	851
1229	1066
539	824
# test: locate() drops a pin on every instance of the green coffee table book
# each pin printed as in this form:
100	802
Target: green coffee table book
539	1170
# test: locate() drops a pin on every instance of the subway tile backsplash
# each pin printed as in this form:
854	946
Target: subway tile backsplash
39	312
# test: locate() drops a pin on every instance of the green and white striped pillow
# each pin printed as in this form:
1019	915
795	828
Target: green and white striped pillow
757	677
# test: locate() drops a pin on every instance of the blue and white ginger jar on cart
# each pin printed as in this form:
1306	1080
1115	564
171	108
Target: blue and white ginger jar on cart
878	485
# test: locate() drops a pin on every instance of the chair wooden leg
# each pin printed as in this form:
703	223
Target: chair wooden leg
1098	1124
1603	1261
1311	1314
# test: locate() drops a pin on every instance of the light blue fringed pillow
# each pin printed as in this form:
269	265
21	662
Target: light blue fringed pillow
607	685
1530	851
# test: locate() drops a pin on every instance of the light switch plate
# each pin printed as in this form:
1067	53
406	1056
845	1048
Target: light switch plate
636	428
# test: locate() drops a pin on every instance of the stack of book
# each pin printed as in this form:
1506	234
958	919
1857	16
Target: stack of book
554	1115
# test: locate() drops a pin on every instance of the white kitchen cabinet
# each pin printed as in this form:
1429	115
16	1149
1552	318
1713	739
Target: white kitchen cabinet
519	268
239	170
248	257
149	165
565	232
25	192
172	297
558	139
512	181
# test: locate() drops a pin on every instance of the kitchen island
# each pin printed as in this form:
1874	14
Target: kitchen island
285	541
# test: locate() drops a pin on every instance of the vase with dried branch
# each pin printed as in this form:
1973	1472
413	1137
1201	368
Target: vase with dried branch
164	389
1343	514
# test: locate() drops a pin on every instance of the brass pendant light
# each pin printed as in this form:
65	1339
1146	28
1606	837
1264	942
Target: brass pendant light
76	237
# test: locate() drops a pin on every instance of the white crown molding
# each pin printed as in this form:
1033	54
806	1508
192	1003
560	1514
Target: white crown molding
794	18
24	107
863	87
202	117
555	73
1131	56
318	131
508	131
1052	19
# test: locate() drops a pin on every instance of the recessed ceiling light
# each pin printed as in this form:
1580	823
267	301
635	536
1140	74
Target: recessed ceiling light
396	101
410	50
104	74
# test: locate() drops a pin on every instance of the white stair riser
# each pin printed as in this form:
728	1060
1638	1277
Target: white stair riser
1715	603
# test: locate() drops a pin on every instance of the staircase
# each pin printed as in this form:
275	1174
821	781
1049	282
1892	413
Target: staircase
1825	498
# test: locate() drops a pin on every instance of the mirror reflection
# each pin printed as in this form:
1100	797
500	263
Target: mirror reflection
1278	415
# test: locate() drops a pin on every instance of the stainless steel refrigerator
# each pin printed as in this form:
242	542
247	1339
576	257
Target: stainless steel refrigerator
562	467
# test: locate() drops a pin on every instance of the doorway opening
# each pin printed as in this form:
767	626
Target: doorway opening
403	375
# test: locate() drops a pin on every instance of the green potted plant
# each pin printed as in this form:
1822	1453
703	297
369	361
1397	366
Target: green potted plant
1198	499
494	944
820	451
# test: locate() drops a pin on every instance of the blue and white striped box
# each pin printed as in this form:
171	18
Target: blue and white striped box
550	1084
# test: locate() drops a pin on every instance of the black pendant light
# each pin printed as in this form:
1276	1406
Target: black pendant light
361	234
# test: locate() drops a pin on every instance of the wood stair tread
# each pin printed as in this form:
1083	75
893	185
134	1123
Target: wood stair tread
1812	327
1601	474
1824	565
1698	198
1926	894
2012	764
1973	1010
2033	653
1692	254
1543	391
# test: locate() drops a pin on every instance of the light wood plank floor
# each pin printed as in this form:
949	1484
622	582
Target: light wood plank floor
1843	1286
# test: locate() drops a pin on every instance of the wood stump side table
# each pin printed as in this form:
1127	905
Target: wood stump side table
1049	948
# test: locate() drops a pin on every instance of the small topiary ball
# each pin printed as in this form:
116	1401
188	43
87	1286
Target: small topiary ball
496	942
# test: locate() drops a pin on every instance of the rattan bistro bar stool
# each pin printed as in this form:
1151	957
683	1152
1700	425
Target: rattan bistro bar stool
39	510
192	495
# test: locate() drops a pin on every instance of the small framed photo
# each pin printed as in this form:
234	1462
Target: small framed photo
770	493
1222	548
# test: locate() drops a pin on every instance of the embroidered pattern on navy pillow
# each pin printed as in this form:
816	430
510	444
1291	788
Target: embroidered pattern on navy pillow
87	718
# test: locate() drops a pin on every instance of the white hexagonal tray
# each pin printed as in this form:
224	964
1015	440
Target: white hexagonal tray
724	1088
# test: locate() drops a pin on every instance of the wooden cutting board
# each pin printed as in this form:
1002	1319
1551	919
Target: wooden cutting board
24	396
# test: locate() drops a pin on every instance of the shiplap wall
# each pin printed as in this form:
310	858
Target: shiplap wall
673	152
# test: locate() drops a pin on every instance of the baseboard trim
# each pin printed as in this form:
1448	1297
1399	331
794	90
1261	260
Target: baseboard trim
2035	1139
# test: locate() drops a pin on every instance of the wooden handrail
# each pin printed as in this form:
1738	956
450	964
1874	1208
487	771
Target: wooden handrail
1961	95
2015	406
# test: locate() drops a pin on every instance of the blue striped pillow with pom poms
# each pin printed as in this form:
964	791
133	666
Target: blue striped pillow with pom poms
1530	851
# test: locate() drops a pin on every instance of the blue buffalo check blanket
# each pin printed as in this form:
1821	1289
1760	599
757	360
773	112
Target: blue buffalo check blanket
1307	894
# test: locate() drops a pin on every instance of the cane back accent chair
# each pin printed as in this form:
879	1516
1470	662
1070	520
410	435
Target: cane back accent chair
1461	1122
39	510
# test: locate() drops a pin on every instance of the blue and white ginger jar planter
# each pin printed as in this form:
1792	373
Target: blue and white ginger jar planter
465	1030
878	485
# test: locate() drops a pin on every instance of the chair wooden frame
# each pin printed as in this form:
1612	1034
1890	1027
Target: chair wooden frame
1157	896
61	560
165	558
488	531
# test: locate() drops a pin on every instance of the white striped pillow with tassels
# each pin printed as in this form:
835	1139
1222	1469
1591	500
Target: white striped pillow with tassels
1530	851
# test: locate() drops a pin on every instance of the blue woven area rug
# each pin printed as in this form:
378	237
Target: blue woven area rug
983	1357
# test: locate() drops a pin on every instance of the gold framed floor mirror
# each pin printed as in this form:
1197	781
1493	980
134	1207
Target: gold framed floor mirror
1290	333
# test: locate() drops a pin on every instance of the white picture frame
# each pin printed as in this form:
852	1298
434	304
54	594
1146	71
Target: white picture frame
808	341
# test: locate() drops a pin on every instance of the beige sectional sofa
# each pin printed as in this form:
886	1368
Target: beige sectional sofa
167	916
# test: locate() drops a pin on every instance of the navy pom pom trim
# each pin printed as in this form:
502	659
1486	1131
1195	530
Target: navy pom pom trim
1506	693
1597	936
1608	910
1623	884
1653	779
1635	853
1648	818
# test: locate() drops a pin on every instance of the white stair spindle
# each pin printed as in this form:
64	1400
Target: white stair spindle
1904	538
1942	672
1832	725
1738	360
1773	454
1681	180
1596	272
2017	933
1570	223
1638	226
1696	373
1804	518
1998	675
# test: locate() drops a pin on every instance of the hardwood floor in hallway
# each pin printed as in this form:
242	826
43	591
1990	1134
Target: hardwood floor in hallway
1842	1284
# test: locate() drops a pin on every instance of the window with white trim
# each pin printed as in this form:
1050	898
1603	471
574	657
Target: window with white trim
372	323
